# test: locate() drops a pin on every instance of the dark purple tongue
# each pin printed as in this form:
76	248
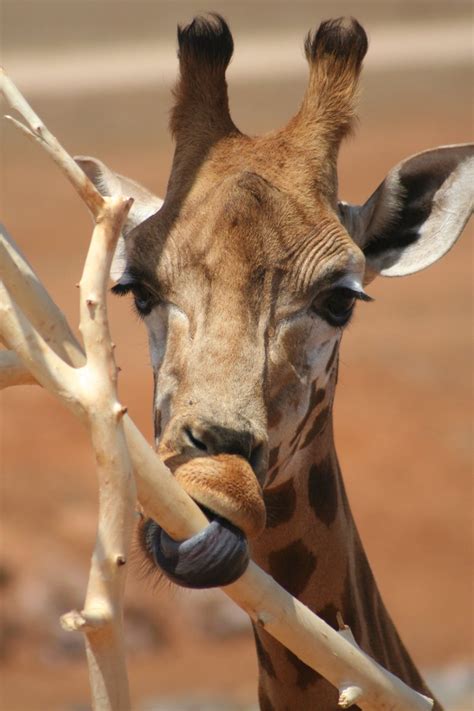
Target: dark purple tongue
214	557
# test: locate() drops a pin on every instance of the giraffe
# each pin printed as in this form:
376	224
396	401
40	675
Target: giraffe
246	276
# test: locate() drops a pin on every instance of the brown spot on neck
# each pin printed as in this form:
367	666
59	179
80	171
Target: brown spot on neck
292	566
305	675
263	657
318	426
329	614
273	457
272	464
280	503
323	490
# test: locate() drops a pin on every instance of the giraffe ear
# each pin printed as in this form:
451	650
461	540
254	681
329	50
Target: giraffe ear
417	213
144	205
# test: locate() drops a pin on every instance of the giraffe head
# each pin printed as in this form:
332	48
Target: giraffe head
248	272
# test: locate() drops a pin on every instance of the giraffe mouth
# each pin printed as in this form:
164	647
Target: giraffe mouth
226	489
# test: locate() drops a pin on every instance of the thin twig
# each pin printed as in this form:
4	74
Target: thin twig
30	295
36	129
36	355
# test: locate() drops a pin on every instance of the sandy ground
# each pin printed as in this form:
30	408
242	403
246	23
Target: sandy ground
403	410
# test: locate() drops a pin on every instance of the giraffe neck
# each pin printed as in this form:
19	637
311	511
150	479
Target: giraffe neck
311	546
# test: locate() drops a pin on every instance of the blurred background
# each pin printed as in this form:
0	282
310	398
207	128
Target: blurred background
99	73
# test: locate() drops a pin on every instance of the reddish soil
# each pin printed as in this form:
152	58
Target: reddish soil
403	412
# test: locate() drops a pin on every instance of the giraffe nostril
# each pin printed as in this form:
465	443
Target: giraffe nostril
195	441
198	437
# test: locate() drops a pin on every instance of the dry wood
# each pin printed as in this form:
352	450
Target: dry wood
47	349
12	371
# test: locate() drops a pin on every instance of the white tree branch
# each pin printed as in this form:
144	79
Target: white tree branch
102	617
13	372
36	129
36	355
35	302
332	653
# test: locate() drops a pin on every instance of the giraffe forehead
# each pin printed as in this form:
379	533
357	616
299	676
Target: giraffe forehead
244	226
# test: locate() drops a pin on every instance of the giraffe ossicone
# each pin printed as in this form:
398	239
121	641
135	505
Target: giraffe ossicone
246	276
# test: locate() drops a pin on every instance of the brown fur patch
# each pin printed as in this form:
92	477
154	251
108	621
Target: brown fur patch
332	357
316	396
273	457
264	702
272	462
322	491
305	675
157	423
275	416
349	610
273	476
292	566
264	659
317	427
280	503
329	614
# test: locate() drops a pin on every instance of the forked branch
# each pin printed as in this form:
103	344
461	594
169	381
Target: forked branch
44	343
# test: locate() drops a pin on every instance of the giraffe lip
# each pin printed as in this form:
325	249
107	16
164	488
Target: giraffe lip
225	485
216	556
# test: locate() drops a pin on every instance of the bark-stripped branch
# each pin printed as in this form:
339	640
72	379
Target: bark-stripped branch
36	330
34	301
12	371
36	130
48	368
101	618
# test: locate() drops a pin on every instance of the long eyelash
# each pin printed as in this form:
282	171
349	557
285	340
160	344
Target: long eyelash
122	289
362	296
136	312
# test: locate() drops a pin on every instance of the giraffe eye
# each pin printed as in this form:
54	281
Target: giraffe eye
144	300
336	306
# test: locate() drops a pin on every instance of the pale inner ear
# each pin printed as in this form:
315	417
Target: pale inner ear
145	204
119	261
451	208
418	212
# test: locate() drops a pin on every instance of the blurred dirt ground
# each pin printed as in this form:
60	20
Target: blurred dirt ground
403	409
